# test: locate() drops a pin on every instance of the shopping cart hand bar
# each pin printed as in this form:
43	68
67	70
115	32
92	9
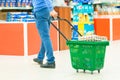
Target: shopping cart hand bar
58	18
59	31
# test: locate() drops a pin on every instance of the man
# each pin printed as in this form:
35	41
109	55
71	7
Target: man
43	10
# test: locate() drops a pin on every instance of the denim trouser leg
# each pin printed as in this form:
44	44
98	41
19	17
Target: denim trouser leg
43	26
41	54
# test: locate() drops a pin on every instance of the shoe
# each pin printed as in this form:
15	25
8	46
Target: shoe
48	65
38	61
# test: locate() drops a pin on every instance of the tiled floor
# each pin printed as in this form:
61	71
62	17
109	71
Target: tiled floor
23	68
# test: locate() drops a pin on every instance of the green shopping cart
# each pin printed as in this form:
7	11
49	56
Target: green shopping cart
85	55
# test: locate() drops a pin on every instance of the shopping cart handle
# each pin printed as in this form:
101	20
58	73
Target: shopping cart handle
58	18
59	31
52	18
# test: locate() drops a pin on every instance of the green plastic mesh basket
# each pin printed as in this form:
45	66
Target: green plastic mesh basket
87	55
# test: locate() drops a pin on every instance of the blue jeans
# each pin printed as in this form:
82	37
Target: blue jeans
43	25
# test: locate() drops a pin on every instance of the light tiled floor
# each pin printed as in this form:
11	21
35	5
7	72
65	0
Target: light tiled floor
23	68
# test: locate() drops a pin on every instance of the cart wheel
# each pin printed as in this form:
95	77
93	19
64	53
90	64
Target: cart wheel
91	72
77	70
84	70
98	71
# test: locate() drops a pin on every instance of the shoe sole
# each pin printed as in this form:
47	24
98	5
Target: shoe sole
47	67
38	62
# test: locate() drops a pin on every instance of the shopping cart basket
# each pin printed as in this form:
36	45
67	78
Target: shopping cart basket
85	55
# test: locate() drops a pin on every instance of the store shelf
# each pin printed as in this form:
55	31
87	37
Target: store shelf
107	16
15	9
109	28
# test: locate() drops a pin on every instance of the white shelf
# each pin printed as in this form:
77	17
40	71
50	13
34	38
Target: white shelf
107	16
15	8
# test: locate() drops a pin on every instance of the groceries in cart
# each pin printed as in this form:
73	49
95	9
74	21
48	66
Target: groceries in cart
92	38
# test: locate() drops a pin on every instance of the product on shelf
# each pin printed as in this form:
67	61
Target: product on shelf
20	17
93	38
8	3
83	17
19	3
3	3
107	8
28	2
15	3
74	33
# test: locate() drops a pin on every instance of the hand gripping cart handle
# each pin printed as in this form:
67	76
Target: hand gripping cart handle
58	18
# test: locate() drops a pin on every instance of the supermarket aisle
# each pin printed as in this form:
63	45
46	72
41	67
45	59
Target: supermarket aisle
23	68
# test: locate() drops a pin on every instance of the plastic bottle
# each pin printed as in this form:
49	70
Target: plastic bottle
23	3
8	3
75	10
13	3
74	33
19	3
3	3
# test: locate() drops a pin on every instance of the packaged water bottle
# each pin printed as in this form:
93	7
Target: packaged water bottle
0	3
8	3
75	18
91	9
28	3
13	3
85	8
80	8
23	3
19	3
3	3
75	10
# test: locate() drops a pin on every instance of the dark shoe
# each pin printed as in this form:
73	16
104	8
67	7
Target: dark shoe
38	61
48	65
